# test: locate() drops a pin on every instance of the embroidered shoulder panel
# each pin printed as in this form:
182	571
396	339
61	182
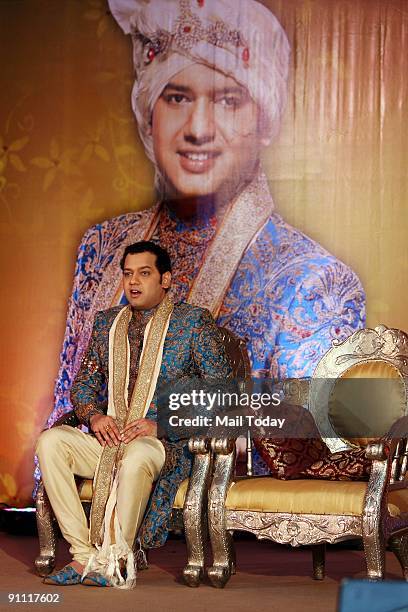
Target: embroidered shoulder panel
290	299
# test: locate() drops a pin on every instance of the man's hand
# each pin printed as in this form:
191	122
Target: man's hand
138	429
105	429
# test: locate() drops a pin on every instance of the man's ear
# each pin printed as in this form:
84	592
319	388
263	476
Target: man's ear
166	280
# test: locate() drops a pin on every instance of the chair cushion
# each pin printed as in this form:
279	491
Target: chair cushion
347	465
85	489
288	457
85	492
181	494
306	497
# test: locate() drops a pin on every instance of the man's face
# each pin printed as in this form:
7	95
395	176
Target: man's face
205	130
142	284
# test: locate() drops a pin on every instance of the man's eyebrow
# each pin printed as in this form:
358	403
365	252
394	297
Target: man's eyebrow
181	88
145	267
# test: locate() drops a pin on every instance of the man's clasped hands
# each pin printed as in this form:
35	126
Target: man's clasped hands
107	432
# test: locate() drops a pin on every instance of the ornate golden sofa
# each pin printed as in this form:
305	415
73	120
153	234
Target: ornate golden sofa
313	512
190	502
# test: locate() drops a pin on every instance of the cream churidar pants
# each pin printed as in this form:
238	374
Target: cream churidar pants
66	451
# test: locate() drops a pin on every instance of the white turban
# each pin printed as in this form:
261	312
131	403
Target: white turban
240	38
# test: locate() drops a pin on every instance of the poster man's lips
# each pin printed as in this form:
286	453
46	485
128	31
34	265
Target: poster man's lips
199	156
198	162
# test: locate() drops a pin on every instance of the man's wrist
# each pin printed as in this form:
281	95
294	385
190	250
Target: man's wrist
84	412
92	414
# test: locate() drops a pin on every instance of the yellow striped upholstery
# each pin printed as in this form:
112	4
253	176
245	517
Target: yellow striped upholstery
85	490
306	497
181	494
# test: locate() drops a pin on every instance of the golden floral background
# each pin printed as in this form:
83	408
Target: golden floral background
70	156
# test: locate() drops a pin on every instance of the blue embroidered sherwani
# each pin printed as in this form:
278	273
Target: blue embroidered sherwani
193	348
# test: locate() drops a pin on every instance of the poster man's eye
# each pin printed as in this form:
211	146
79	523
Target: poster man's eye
176	98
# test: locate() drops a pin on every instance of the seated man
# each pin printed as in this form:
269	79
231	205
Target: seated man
133	351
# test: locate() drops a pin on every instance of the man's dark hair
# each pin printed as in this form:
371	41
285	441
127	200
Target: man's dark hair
163	263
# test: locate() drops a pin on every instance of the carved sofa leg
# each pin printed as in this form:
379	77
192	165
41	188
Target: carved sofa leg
223	565
221	540
47	533
399	546
373	513
374	552
194	515
319	561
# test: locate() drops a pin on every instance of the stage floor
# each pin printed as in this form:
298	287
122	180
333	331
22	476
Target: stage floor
269	577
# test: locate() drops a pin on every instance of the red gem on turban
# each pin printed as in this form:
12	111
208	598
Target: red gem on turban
200	3
151	54
187	29
245	55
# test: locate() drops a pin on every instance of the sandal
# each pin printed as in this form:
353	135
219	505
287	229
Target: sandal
64	577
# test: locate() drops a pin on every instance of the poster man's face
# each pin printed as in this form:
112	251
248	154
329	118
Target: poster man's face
205	130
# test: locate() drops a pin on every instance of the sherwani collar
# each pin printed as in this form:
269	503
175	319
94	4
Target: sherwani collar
243	219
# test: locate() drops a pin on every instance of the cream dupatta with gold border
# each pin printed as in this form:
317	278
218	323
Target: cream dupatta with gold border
105	530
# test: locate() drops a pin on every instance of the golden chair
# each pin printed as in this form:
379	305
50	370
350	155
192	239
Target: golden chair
315	511
189	508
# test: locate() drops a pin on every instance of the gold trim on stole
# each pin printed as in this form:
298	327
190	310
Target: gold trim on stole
111	457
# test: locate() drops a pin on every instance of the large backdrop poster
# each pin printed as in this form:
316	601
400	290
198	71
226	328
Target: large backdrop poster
71	156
